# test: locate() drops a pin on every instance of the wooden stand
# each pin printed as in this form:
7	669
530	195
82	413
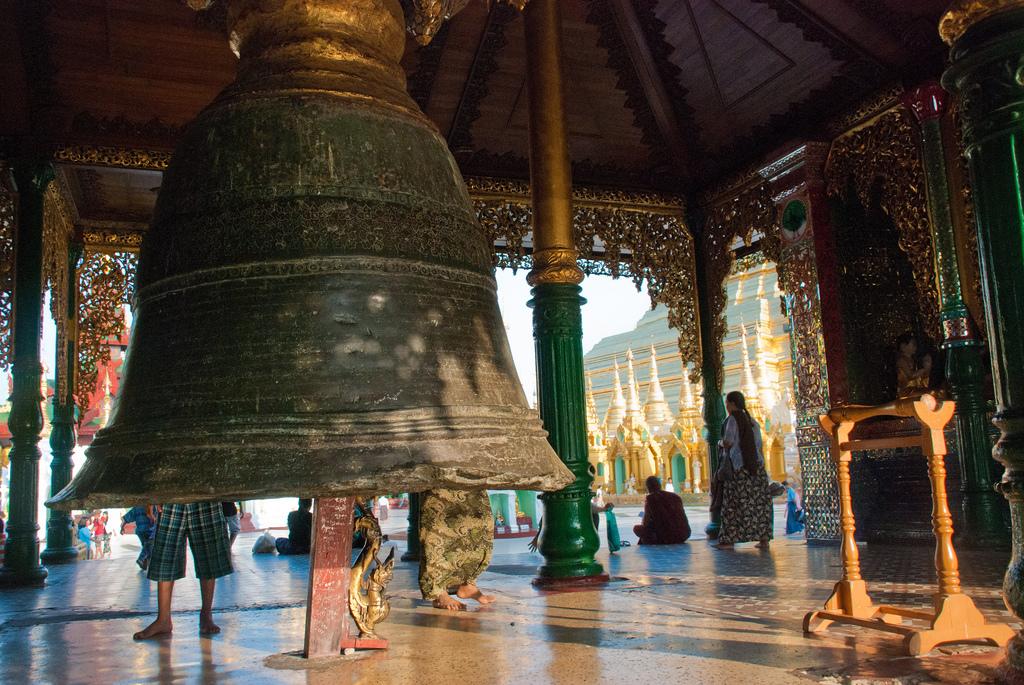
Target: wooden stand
955	618
328	632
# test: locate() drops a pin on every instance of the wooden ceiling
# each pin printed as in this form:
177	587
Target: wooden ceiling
662	94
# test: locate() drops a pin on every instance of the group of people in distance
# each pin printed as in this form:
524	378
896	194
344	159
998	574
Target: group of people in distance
740	492
93	535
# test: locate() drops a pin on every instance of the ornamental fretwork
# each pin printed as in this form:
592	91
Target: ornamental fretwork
742	214
6	270
106	284
640	236
884	155
58	230
425	17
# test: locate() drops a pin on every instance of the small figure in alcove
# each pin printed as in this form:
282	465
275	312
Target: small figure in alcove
913	375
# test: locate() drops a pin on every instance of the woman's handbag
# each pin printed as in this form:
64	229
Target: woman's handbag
726	471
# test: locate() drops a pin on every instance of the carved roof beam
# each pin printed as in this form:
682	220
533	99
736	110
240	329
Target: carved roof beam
485	63
662	107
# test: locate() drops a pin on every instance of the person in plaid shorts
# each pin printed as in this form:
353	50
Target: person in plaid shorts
202	525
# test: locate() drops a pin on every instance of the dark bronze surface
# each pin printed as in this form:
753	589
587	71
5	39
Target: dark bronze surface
316	311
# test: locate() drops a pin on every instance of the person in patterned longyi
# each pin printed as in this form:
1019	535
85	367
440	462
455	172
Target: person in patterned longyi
456	541
747	513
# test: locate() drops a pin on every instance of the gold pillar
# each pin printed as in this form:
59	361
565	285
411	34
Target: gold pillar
554	249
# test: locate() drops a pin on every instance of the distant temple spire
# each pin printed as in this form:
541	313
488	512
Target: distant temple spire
764	357
633	409
617	407
686	401
593	422
751	392
656	410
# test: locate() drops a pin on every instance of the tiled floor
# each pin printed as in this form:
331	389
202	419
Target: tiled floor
680	614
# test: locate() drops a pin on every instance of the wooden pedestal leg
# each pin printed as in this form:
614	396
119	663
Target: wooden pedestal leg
330	560
956	618
850	596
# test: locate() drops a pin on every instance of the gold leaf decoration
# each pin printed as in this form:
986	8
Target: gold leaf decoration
113	156
105	283
965	13
736	215
884	154
640	236
7	227
58	229
425	17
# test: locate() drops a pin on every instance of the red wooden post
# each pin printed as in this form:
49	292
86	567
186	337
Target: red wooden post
330	561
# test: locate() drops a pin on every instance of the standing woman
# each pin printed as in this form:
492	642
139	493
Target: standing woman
746	505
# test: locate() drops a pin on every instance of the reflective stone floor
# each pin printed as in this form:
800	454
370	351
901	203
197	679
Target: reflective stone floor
679	614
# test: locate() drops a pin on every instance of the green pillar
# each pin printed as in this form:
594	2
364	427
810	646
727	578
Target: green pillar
983	520
412	546
987	73
568	539
711	371
60	535
21	553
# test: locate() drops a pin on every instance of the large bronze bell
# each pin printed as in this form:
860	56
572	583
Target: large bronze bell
316	311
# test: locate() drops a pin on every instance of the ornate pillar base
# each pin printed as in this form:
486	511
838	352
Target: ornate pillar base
59	555
21	553
714	526
1011	670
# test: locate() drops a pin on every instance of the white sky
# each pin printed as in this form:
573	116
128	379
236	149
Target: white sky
613	306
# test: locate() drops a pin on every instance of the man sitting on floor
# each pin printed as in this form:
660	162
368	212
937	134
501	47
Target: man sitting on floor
665	521
300	530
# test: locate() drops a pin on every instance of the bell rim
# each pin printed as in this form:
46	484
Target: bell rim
528	463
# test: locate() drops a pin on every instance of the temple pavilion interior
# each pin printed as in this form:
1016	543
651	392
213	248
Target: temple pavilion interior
298	208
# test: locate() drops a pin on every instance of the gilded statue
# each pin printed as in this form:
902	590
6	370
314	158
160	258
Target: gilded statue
913	374
366	599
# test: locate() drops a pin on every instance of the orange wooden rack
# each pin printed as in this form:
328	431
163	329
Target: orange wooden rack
954	618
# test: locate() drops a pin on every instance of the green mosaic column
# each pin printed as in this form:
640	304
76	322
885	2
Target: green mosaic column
412	546
568	539
60	536
983	520
711	371
21	553
987	73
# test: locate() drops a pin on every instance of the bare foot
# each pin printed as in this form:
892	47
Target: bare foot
207	626
473	592
763	544
447	602
725	546
154	629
